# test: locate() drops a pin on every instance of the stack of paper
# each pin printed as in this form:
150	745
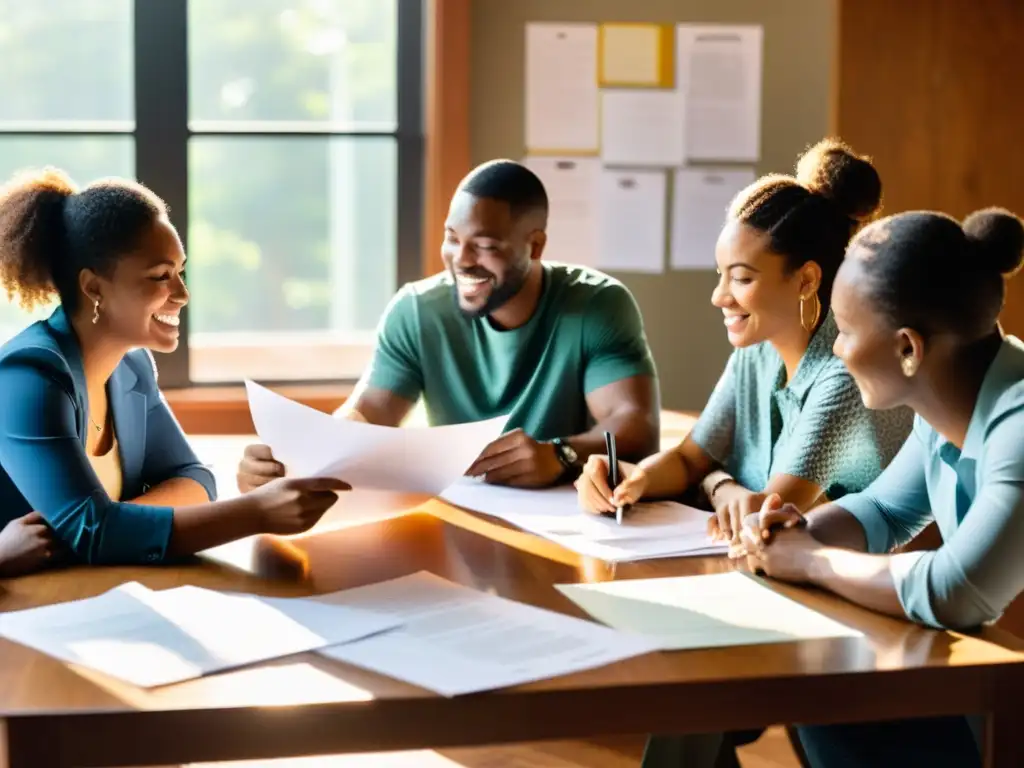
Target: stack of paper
454	640
411	459
650	530
708	611
155	638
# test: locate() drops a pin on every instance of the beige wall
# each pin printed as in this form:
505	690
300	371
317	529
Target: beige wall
685	331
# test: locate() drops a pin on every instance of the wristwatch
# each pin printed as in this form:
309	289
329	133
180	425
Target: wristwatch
566	454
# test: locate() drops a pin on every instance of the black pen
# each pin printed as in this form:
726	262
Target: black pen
613	470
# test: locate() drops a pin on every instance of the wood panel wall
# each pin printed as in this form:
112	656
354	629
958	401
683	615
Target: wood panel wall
934	91
447	117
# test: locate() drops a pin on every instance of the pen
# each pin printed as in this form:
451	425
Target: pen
613	470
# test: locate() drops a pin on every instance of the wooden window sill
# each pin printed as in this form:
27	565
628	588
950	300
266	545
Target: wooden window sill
225	410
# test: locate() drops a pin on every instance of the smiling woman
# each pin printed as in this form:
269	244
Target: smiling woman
92	462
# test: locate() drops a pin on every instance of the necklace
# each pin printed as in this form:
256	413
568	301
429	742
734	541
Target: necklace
96	426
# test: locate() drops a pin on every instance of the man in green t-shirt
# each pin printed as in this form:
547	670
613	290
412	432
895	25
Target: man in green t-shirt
560	349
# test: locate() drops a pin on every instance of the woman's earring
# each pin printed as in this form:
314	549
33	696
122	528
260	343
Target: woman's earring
95	311
908	365
817	313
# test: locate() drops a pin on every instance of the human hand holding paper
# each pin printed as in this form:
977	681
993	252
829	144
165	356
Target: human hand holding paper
407	459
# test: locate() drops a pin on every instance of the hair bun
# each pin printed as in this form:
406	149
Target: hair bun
998	237
831	169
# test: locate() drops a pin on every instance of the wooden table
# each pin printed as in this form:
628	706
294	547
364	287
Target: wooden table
54	716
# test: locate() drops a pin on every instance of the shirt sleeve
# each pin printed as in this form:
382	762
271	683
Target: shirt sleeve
975	575
895	507
168	452
715	430
43	455
614	342
395	366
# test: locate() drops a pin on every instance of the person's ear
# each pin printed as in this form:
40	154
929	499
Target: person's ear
909	350
90	285
810	278
537	239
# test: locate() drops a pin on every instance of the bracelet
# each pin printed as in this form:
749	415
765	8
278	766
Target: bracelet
721	481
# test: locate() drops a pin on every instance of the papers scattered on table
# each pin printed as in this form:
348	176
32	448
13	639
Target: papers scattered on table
409	459
651	530
455	640
709	611
155	638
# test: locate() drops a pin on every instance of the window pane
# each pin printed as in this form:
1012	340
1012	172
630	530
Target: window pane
84	158
66	60
326	61
291	242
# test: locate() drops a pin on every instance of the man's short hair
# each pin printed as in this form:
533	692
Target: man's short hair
510	182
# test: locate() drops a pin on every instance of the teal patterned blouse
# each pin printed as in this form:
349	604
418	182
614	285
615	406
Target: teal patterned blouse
816	428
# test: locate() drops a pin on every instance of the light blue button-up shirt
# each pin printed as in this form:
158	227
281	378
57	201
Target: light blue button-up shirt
975	495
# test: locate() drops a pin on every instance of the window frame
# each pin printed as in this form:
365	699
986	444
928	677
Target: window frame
162	133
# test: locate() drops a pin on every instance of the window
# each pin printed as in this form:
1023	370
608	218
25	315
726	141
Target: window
286	137
66	97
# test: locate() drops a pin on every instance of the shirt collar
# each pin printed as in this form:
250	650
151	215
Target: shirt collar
1007	368
816	357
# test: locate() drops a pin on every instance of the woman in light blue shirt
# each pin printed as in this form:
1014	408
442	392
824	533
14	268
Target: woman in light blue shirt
916	303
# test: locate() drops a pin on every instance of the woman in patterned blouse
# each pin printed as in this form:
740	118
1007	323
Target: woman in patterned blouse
785	418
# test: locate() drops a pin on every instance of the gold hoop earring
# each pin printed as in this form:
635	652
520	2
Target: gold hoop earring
908	365
817	313
95	311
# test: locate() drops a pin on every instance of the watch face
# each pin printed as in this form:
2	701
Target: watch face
568	453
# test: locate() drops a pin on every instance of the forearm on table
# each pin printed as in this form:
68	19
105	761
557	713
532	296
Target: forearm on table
834	526
202	526
858	577
668	474
636	436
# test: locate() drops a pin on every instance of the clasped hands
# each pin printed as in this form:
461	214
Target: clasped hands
775	541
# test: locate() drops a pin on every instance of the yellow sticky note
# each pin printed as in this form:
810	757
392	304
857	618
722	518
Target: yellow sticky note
636	55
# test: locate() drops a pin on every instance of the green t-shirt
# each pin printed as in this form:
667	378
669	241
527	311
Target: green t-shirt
586	332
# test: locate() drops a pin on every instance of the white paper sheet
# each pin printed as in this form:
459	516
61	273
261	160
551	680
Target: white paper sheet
571	184
650	530
721	609
561	88
631	237
642	128
155	638
455	640
408	459
700	201
719	75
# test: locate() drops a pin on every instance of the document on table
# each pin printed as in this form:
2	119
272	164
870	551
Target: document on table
571	184
700	202
631	234
650	530
719	74
408	459
456	640
561	88
721	609
151	638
